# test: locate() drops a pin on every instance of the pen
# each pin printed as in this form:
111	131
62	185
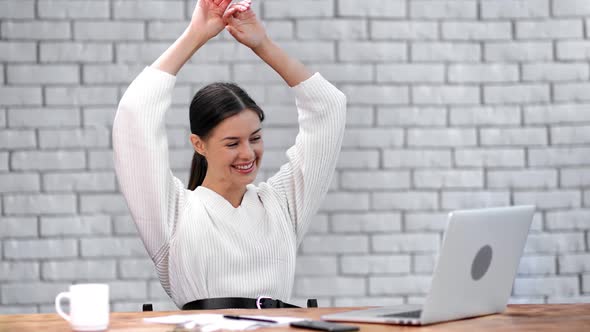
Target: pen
250	318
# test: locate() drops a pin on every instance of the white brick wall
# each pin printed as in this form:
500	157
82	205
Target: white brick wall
16	227
372	8
573	50
493	9
75	9
518	51
555	114
87	270
75	226
443	9
452	104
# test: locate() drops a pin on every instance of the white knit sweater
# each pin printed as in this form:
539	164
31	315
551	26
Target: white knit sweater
201	245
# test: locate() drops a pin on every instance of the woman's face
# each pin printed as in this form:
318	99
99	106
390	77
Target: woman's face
234	150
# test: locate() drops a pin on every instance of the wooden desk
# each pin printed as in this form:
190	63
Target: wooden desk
537	318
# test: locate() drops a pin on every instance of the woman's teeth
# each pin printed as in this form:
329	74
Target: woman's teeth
245	167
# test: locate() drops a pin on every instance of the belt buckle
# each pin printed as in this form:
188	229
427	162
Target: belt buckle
258	301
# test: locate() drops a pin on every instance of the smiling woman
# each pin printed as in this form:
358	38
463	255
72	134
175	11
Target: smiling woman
226	135
225	238
233	151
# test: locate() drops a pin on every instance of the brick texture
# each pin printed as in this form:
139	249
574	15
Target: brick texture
451	104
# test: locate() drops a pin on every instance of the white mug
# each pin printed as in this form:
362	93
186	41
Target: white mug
89	307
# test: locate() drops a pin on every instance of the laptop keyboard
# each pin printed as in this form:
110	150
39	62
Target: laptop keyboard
407	314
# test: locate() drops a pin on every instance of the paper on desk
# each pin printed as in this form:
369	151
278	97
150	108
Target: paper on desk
213	322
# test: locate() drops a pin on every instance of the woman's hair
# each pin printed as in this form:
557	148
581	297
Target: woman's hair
211	105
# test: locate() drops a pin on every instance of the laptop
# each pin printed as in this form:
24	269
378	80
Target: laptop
474	274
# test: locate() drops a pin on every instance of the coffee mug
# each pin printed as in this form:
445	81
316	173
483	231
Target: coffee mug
89	307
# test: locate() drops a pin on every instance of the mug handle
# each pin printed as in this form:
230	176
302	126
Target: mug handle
58	298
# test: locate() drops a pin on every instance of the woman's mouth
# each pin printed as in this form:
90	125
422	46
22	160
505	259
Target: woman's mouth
245	168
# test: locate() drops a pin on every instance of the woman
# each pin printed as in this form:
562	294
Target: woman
224	237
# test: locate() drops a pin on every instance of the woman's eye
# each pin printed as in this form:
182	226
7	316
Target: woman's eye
256	138
231	145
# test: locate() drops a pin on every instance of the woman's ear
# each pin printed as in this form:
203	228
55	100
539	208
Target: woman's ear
198	144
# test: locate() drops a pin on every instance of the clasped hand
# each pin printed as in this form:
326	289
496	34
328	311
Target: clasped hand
212	16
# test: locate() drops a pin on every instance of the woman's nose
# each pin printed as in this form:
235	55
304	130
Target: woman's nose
247	152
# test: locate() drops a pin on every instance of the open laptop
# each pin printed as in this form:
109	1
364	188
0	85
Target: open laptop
476	267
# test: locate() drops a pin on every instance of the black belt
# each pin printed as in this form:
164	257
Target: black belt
242	303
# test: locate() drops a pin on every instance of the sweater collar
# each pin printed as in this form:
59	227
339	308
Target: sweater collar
217	204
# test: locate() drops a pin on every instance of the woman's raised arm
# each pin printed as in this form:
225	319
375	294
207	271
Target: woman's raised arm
245	27
304	180
206	23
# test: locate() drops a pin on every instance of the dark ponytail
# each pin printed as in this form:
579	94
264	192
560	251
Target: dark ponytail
211	105
198	171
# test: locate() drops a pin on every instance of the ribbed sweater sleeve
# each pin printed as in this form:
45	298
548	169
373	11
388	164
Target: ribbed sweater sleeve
154	196
304	180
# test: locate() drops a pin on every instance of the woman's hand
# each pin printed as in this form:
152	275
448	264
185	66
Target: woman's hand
208	17
244	26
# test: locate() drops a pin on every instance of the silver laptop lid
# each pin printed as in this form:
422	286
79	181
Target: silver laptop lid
477	262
